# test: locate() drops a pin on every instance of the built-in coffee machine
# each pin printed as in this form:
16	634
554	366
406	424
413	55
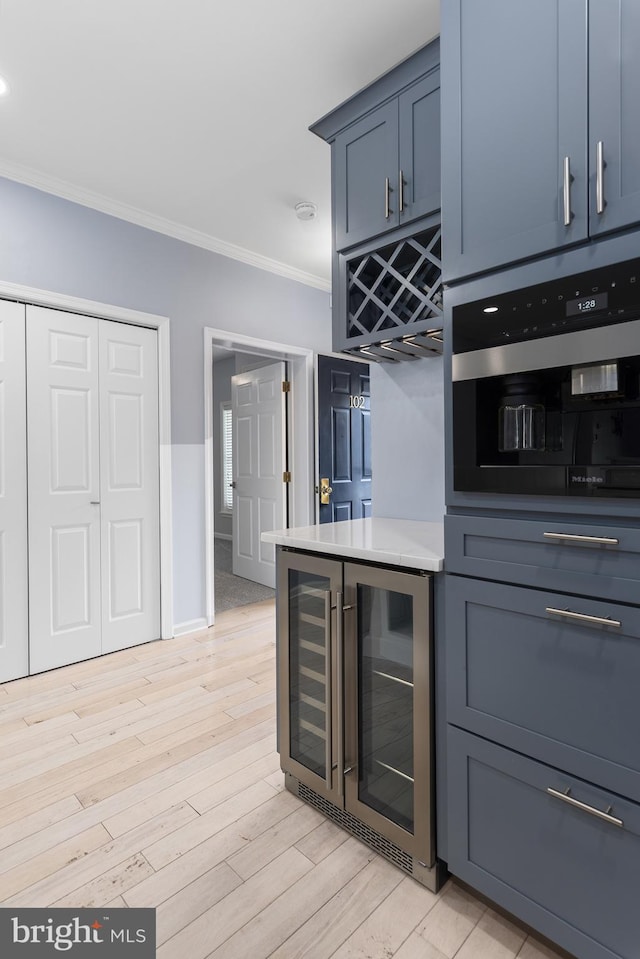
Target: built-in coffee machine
546	387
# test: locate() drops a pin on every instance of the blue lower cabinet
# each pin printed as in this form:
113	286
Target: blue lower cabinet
573	556
550	675
559	853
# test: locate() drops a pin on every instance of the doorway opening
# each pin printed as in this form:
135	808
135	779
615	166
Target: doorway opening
248	368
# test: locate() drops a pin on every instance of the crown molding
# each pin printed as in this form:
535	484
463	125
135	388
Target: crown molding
96	201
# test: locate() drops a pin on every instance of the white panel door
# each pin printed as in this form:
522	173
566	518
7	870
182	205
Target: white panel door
129	470
64	488
14	639
258	416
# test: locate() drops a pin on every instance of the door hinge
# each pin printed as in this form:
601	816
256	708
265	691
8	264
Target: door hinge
286	477
286	386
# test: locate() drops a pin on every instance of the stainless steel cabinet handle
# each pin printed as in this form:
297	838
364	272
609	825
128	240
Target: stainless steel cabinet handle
580	538
584	618
401	191
340	692
327	677
387	191
566	797
566	190
600	202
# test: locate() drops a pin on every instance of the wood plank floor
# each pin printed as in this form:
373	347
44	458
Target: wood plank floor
149	777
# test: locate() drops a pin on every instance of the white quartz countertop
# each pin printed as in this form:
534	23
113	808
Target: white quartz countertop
396	542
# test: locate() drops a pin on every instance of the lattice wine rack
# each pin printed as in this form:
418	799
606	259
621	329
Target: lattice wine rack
394	300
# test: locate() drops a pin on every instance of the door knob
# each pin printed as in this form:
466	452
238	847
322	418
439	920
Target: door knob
325	491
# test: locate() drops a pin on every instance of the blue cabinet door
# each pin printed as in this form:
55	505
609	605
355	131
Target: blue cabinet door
365	161
559	853
514	115
419	120
614	132
535	671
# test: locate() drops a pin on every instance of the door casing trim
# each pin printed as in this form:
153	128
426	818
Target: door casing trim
300	434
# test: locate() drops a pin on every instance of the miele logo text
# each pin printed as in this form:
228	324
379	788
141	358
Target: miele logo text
587	479
61	937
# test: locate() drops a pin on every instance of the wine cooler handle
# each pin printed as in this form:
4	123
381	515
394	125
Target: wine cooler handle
340	692
327	679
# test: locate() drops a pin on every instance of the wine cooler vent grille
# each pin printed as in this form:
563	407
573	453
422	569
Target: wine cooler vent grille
358	829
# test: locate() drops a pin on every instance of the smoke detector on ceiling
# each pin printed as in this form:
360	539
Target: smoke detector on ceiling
305	210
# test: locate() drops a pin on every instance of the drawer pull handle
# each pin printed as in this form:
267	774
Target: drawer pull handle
578	538
584	618
566	797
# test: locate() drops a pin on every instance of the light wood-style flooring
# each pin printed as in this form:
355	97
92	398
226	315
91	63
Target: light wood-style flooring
149	777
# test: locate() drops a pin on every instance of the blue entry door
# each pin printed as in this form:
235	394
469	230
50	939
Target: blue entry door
344	440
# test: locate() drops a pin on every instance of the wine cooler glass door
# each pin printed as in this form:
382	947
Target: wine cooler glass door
388	756
308	725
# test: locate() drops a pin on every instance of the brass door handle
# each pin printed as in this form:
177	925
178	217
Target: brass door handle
325	491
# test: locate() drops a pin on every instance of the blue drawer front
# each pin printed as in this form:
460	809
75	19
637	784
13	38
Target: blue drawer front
544	685
571	875
517	551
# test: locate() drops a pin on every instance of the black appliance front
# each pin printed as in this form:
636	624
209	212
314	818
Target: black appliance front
546	388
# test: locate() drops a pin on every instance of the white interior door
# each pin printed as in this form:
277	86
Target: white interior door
64	488
258	416
129	474
94	543
14	644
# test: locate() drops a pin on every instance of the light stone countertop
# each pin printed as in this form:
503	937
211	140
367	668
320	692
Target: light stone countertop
395	542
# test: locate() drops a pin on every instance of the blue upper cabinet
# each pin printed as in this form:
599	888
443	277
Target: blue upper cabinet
540	138
419	146
614	131
385	148
366	177
514	125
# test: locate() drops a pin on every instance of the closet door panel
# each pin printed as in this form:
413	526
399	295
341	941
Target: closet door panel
14	649
63	488
129	469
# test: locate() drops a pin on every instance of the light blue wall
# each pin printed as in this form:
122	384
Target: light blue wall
407	439
53	244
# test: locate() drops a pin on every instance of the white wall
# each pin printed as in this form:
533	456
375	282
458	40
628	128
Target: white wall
407	439
52	244
223	370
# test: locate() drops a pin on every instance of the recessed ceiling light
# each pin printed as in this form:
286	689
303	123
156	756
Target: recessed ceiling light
4	87
490	309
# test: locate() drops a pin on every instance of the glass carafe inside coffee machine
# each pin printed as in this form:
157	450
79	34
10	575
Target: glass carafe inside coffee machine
521	418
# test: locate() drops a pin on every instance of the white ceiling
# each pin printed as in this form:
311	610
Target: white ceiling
191	117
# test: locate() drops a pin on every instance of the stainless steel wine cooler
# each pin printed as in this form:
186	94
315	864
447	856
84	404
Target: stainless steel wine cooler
355	702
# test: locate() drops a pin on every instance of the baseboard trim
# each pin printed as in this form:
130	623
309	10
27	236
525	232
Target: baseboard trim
191	626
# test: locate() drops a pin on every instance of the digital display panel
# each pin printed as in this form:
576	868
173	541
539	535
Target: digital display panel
587	304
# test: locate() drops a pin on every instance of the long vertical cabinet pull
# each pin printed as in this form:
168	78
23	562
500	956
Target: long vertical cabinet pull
340	692
328	698
566	190
387	191
401	189
600	204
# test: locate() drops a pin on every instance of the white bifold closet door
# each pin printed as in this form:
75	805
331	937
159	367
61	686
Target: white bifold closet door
92	410
14	659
